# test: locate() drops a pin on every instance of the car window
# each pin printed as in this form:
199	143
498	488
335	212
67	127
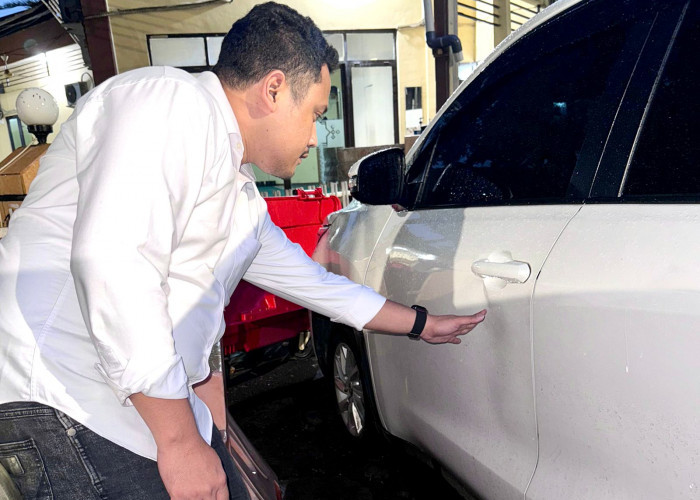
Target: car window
666	161
518	140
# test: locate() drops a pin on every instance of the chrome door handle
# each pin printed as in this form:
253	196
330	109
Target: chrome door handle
499	269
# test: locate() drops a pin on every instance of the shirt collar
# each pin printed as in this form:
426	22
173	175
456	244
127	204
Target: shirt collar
212	84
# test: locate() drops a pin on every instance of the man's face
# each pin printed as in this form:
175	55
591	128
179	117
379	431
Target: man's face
295	128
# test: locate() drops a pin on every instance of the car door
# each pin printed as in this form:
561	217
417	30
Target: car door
617	305
496	181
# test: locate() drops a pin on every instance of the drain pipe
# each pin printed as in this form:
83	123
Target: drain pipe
440	42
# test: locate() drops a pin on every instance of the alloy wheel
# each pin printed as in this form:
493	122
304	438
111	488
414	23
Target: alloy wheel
348	389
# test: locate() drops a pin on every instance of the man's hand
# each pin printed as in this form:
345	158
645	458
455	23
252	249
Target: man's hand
192	470
189	467
398	319
446	329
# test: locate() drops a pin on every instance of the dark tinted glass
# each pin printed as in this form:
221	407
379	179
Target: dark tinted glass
667	158
520	139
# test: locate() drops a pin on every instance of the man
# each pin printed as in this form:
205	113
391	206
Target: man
114	274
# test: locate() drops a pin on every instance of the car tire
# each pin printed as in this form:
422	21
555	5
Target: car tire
352	385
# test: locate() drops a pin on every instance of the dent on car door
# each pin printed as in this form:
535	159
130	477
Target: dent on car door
617	306
503	173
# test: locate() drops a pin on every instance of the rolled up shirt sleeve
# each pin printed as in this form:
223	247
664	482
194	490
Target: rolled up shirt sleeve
283	268
139	172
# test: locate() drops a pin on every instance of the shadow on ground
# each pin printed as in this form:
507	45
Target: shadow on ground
290	417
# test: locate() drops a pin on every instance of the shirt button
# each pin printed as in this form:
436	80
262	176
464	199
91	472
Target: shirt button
71	432
239	146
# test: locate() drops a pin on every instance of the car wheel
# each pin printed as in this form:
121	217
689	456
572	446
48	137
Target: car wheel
352	385
350	392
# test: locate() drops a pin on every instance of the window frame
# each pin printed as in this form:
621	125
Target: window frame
673	23
21	126
512	58
190	69
345	65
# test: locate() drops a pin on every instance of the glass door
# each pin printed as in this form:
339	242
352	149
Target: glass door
373	105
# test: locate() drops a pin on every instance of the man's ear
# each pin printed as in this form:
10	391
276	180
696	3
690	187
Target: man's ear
274	84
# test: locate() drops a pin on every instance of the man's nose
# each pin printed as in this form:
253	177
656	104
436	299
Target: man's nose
313	140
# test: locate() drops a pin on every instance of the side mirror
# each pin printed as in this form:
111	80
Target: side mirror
377	179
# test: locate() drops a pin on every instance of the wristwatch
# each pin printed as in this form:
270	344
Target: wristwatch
419	324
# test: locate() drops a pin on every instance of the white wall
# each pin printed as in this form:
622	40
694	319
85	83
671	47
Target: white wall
61	71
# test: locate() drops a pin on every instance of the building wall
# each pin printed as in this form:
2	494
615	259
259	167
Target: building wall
62	73
415	64
130	31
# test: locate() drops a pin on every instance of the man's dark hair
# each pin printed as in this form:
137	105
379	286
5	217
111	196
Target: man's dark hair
273	36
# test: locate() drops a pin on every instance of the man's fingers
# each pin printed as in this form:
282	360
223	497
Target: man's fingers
478	317
446	329
467	327
474	319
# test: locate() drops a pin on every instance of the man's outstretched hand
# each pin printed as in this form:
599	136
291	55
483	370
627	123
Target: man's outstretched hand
398	319
447	329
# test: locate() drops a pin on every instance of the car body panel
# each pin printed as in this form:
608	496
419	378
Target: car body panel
426	257
347	247
616	356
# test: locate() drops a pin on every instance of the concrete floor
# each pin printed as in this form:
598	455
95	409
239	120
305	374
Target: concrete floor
290	417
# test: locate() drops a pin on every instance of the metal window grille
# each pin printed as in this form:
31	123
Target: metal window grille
486	11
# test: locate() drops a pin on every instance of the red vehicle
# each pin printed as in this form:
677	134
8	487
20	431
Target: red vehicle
263	330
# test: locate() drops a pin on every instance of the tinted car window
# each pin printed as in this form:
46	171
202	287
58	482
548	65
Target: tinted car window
667	158
520	138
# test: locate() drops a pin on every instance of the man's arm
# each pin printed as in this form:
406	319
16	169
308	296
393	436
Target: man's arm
189	467
398	319
121	251
139	179
284	269
211	392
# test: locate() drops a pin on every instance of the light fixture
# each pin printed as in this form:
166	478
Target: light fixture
7	74
38	110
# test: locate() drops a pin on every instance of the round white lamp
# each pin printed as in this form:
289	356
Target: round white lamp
38	110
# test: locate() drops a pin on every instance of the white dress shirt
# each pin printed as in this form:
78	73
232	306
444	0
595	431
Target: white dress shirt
138	227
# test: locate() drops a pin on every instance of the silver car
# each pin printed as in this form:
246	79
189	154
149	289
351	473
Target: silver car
559	189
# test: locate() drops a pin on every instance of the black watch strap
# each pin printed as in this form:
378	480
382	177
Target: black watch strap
419	323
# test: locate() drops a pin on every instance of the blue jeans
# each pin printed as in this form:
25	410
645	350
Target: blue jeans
51	456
